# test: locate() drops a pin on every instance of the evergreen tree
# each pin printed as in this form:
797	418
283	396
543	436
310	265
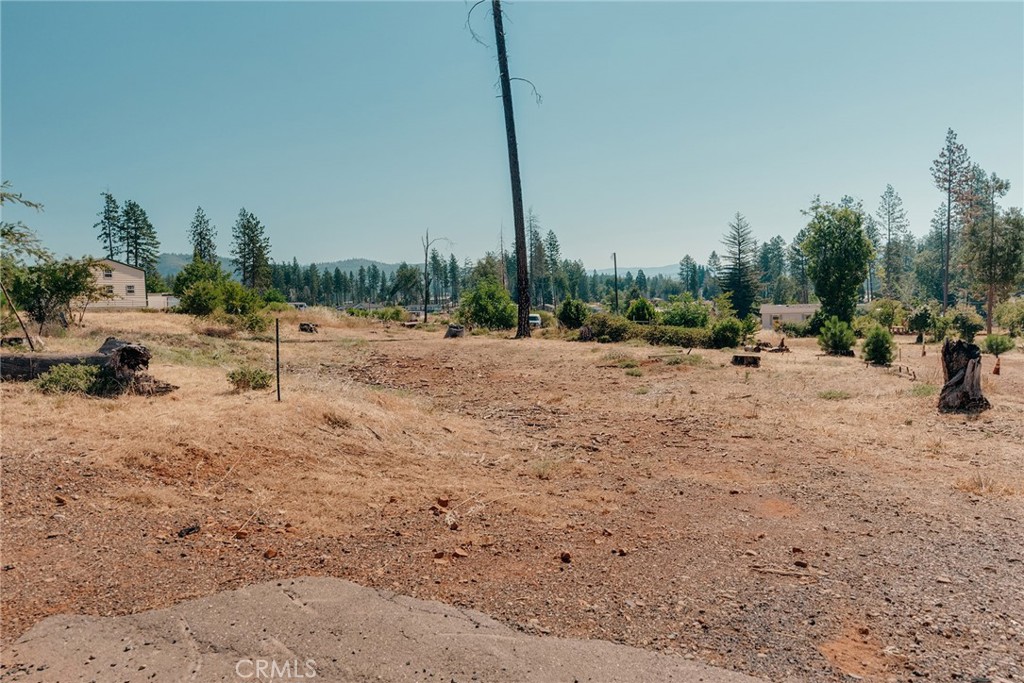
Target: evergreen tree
553	267
202	235
951	173
892	219
109	226
772	260
994	242
251	251
688	275
454	279
798	267
739	275
141	246
838	252
712	272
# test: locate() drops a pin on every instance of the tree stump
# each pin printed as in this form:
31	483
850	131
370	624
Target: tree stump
455	331
309	328
586	334
961	370
746	360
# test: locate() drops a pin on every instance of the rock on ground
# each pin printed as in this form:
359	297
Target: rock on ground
324	629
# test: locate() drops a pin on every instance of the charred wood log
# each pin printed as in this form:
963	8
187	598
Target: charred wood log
125	361
455	331
961	370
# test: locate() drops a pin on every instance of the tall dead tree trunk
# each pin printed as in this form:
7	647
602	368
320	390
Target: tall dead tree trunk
522	277
961	370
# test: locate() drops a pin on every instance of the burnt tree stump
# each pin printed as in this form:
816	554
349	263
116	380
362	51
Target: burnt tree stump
750	360
961	370
454	331
309	328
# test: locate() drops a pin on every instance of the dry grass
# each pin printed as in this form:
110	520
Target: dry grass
981	484
531	440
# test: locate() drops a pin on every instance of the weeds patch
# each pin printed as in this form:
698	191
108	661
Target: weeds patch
924	390
834	395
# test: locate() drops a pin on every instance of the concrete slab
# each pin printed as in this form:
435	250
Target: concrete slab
324	629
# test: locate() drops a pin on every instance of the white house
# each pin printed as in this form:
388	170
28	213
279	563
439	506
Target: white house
126	283
772	314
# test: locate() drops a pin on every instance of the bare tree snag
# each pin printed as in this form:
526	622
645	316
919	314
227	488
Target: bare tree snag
961	369
522	276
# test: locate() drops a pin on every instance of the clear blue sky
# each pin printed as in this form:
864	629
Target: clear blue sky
349	128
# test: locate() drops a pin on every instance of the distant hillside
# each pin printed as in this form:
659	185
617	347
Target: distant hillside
671	270
354	264
172	264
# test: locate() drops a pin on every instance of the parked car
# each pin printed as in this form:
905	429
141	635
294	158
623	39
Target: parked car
535	320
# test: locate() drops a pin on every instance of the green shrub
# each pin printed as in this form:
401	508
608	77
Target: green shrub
687	313
487	305
641	310
387	314
967	323
862	324
573	313
726	333
238	299
941	324
1010	314
274	296
888	312
815	323
546	319
998	344
610	328
66	378
255	322
795	329
879	346
248	377
201	298
921	320
668	335
751	324
836	337
277	307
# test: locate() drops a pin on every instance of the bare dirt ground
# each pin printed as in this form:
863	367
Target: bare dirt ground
813	519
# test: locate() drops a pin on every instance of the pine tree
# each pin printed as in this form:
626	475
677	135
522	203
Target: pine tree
892	219
141	245
553	267
994	243
739	275
202	235
251	251
110	226
798	267
951	173
712	272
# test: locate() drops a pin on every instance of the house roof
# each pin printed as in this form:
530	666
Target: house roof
120	263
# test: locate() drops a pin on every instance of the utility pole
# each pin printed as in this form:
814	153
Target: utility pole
522	278
615	268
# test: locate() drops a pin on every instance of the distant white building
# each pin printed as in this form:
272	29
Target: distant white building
126	283
772	314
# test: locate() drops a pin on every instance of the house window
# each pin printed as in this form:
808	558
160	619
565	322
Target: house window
110	289
108	273
129	289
